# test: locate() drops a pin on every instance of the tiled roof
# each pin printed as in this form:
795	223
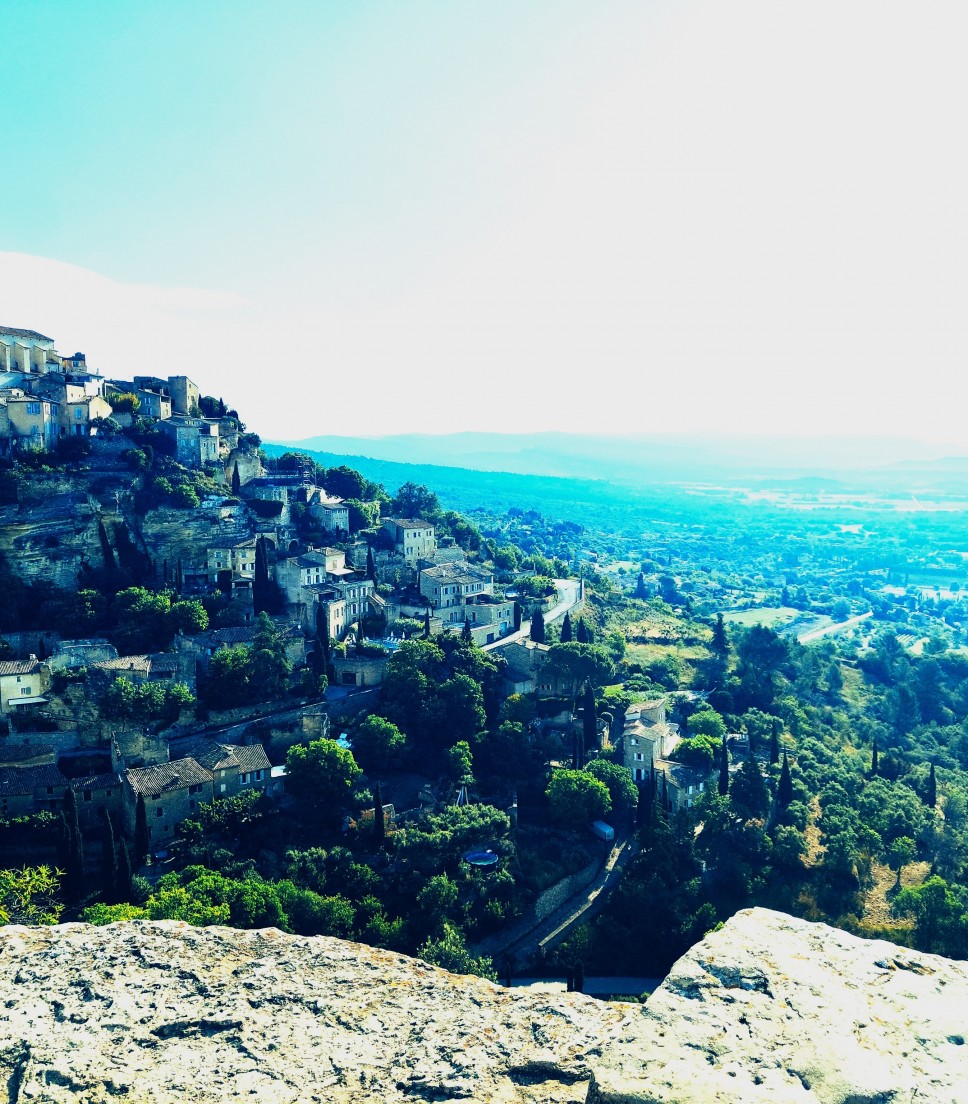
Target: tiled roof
13	753
138	663
17	781
410	523
209	753
96	782
167	776
252	757
19	666
10	331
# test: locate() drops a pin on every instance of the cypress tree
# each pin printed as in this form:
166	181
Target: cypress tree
379	826
426	628
775	744
784	788
932	797
465	633
583	634
107	552
517	616
641	590
723	769
109	861
141	840
236	479
537	626
589	718
720	641
122	889
260	580
74	867
566	634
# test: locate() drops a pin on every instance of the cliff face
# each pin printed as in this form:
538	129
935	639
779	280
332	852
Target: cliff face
767	1009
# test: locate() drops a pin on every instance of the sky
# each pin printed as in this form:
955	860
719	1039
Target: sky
520	215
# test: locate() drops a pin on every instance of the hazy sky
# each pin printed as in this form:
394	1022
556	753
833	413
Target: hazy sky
355	217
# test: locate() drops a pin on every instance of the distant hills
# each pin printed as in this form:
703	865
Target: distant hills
644	459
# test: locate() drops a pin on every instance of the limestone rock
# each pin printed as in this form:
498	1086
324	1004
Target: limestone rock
165	1012
769	1009
773	1009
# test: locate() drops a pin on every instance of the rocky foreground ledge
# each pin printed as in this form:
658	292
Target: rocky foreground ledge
767	1009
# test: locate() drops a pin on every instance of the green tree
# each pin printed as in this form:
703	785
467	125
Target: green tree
378	744
413	500
939	916
449	951
460	764
566	630
537	626
322	773
29	895
622	790
576	797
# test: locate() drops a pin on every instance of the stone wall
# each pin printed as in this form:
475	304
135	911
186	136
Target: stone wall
556	895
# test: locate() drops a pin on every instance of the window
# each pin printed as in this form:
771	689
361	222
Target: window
50	789
88	795
159	812
195	789
78	414
33	408
25	691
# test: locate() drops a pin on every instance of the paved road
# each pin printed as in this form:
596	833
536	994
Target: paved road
528	937
569	592
816	634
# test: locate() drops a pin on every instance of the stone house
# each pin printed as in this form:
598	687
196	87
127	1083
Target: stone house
332	513
413	538
23	684
172	793
95	793
26	790
232	562
526	672
33	421
359	670
234	767
321	579
684	785
195	441
647	737
451	587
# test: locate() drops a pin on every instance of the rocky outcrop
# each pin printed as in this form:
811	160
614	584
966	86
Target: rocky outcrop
767	1009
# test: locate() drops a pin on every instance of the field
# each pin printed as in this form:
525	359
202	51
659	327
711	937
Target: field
771	616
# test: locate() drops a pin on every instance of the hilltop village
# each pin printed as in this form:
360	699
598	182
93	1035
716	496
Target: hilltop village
245	688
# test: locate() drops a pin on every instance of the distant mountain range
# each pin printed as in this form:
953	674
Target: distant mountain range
644	459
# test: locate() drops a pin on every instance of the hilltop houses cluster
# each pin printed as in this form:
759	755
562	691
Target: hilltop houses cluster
50	725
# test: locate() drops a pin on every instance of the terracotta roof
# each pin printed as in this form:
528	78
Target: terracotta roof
20	666
10	331
167	776
17	781
139	663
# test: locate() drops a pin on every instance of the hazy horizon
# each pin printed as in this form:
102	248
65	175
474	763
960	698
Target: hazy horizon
368	219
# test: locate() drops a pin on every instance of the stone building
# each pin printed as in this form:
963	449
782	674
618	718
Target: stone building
172	793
